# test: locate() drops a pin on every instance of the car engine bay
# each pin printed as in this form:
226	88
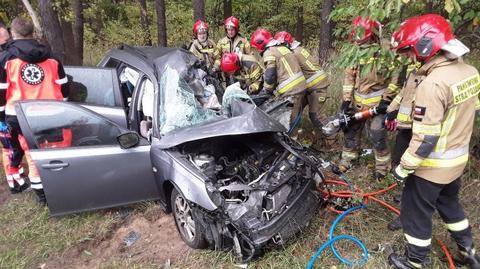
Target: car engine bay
263	185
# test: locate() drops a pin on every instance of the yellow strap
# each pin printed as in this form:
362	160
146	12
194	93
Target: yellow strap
310	65
425	129
411	160
269	59
290	85
305	53
458	226
287	67
284	50
368	101
317	80
404	118
447	125
444	163
417	241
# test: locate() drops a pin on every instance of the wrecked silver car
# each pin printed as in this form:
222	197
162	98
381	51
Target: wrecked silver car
221	165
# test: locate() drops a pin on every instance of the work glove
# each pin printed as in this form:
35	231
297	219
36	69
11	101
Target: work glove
400	174
382	107
391	120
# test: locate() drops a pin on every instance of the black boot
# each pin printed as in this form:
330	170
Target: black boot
18	189
401	262
467	257
395	224
41	199
378	176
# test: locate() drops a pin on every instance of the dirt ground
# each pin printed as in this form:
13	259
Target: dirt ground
158	243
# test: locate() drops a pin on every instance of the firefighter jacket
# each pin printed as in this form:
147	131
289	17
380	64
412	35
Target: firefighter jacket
250	74
283	74
368	91
203	51
28	71
404	101
316	77
443	120
226	45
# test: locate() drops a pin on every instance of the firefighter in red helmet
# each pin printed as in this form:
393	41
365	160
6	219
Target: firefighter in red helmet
443	120
243	69
363	92
202	46
233	42
283	75
316	80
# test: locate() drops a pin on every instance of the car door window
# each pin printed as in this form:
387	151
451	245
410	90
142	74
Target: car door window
92	85
60	124
145	107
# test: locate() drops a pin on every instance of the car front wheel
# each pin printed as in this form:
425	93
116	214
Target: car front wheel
190	229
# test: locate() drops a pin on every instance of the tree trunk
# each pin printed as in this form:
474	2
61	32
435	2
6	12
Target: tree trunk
325	32
69	41
78	30
198	10
299	27
33	15
51	26
161	22
227	8
147	37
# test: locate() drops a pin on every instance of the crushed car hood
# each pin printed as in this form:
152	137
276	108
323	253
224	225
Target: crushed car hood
253	121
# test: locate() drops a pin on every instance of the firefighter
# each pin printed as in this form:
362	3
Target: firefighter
27	71
234	42
202	46
360	93
15	178
443	121
283	75
244	69
317	80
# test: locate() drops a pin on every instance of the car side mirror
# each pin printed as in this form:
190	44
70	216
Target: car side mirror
128	140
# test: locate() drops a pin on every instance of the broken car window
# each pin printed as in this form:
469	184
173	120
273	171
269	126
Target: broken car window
184	104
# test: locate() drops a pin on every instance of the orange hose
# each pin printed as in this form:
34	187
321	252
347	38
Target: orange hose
371	196
451	263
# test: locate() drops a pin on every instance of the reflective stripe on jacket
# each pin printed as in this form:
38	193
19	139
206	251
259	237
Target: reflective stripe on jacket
283	74
226	45
443	120
203	52
316	77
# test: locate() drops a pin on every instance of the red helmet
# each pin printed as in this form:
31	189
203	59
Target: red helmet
230	63
199	26
425	34
284	36
368	25
260	39
232	22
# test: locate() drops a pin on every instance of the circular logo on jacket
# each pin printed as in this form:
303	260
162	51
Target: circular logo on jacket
32	74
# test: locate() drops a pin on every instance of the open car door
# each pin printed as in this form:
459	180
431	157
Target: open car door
80	162
97	89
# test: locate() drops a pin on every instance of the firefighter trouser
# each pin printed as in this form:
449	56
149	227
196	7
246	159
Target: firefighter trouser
315	99
402	140
377	136
420	198
20	148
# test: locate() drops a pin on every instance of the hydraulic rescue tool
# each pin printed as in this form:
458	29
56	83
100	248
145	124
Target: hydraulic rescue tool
343	119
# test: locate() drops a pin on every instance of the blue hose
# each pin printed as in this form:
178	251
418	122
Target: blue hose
296	121
333	239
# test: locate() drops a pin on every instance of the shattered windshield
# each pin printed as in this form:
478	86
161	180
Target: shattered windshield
185	104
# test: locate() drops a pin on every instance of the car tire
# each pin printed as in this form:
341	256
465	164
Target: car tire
188	226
